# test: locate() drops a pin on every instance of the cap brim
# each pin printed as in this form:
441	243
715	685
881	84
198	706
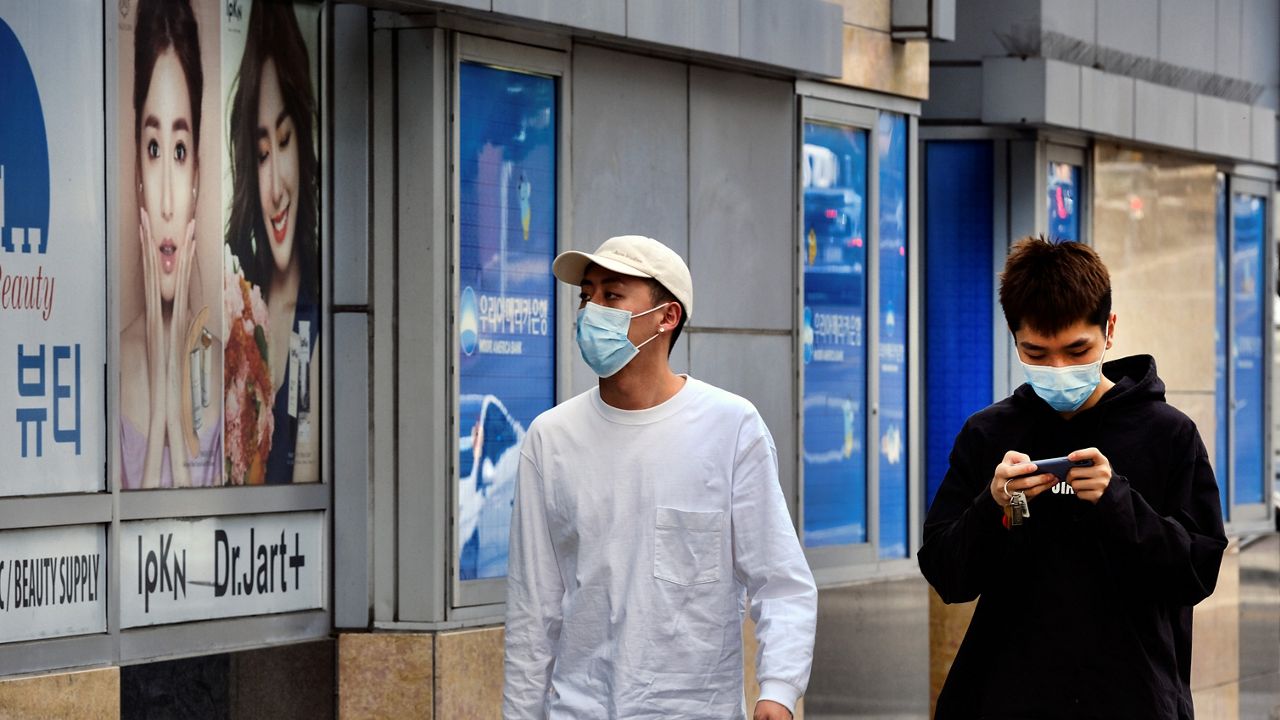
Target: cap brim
570	266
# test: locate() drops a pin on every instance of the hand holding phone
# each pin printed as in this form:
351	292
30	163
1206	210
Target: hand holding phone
1058	466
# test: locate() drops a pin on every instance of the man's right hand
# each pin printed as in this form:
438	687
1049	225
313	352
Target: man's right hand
1016	465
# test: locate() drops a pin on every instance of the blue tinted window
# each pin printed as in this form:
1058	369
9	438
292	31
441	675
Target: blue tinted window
834	356
1064	210
892	148
1248	292
1220	333
958	294
506	303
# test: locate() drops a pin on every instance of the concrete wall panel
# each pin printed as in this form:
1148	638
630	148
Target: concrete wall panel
1073	18
761	369
1106	103
977	25
1227	47
1262	145
955	93
706	25
1223	127
1128	25
1164	115
1259	60
630	149
782	33
1186	36
601	15
742	199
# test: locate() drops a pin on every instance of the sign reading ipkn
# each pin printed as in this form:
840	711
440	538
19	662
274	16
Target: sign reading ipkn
207	568
52	582
52	257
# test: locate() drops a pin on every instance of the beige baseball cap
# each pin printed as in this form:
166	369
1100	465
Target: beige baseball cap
633	255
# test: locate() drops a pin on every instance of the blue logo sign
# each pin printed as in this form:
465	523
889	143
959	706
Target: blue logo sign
468	321
24	154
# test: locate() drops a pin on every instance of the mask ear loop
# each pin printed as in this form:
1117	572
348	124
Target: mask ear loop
660	330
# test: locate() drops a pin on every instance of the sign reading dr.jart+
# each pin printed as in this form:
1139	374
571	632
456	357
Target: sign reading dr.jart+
220	567
52	264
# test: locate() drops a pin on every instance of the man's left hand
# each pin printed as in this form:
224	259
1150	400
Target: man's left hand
770	710
1092	481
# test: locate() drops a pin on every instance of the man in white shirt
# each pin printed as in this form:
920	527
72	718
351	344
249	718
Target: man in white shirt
647	513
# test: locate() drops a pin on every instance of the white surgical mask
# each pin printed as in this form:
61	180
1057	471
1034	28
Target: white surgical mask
602	337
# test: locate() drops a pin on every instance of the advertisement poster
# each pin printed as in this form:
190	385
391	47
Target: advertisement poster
1248	293
219	328
1064	216
891	136
207	568
834	340
52	253
53	582
506	308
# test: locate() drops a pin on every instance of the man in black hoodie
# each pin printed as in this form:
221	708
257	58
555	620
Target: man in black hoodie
1084	606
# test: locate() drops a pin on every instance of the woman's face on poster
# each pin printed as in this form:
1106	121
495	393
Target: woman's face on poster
167	166
277	167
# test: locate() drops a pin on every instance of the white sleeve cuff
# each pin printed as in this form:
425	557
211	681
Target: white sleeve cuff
781	693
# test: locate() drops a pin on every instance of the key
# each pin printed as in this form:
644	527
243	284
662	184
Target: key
1020	508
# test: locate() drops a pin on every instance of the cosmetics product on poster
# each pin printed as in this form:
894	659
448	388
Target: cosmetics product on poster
271	263
506	306
170	250
220	567
834	337
52	263
52	582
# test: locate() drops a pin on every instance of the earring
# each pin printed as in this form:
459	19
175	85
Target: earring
661	329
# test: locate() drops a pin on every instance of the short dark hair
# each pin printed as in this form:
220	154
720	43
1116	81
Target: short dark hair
661	294
1050	286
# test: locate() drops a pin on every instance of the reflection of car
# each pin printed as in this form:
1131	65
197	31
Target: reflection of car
488	459
833	227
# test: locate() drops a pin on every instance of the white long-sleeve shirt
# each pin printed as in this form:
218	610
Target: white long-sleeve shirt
636	538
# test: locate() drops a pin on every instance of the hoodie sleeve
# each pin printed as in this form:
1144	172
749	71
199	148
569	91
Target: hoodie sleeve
768	561
1173	555
964	536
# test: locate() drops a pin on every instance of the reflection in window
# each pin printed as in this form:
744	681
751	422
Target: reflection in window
1064	213
891	145
834	352
1248	292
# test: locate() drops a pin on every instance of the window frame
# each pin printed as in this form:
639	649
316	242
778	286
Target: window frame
472	600
1253	517
861	110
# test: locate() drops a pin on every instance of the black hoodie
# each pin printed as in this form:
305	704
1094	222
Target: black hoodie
1084	610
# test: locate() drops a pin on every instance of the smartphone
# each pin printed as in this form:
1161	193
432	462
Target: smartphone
1058	466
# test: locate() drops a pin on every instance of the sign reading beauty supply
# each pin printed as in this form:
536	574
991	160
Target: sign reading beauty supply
207	568
52	259
53	582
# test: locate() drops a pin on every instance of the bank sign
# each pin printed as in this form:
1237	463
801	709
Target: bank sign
208	568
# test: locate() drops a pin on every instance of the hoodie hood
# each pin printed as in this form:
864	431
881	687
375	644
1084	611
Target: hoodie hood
1135	378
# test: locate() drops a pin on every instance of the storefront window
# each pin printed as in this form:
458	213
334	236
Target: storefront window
891	143
834	344
1248	292
958	229
506	303
1221	461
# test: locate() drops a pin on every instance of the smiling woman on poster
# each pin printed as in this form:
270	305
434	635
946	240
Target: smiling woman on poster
273	233
170	430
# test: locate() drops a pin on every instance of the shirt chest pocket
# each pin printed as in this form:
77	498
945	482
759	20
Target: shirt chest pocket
686	546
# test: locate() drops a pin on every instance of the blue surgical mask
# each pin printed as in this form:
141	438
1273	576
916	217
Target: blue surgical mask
1064	388
602	337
